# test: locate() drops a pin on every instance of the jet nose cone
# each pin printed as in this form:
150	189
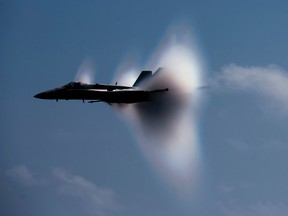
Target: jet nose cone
45	95
38	96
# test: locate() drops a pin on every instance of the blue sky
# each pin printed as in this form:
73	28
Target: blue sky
84	159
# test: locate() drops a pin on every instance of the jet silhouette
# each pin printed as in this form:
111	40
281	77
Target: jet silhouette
105	92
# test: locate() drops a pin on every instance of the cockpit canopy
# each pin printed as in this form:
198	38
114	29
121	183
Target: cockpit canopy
73	85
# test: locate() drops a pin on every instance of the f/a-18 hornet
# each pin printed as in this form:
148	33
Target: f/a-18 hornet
104	92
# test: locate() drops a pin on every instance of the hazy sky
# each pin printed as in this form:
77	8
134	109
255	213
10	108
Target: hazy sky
70	158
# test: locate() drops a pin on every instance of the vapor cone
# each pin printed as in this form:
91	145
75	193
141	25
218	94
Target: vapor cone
166	127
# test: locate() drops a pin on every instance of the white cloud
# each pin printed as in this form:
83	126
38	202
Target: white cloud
239	145
257	209
25	176
270	82
95	200
224	189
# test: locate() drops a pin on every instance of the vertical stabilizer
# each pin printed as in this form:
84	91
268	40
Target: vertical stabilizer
142	77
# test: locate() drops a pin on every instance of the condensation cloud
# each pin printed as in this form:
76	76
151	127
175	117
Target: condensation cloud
85	72
167	127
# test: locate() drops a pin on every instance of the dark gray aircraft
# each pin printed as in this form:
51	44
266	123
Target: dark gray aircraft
105	93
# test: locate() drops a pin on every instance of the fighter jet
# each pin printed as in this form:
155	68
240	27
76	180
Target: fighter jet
105	93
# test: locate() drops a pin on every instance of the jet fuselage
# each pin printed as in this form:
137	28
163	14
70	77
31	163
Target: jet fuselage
99	92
